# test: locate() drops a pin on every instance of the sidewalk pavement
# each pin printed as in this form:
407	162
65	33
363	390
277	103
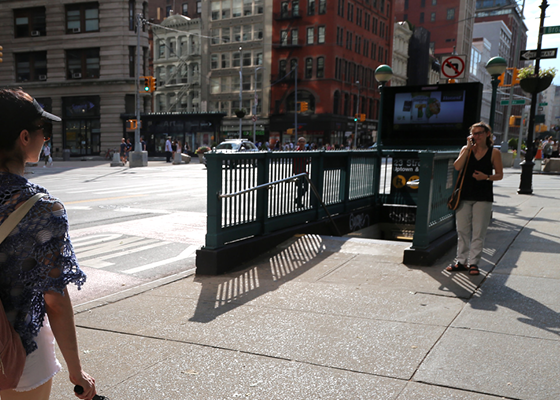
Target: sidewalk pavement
342	318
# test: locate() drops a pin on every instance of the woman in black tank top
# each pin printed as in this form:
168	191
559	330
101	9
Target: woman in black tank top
475	210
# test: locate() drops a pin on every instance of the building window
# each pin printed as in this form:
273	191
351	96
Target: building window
82	63
282	68
310	7
434	2
308	68
30	22
321	34
199	7
258	59
283	38
320	67
225	60
433	17
322	6
258	35
236	60
237	8
406	4
82	17
310	35
422	3
215	10
247	33
214	61
131	14
247	59
236	33
31	66
336	102
185	9
295	39
247	7
132	61
450	13
421	17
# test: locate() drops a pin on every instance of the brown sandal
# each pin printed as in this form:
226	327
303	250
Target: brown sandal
473	270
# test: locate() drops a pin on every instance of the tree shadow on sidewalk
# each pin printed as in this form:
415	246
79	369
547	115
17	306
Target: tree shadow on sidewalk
221	294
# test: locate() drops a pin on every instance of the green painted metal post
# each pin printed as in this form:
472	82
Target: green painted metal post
213	202
424	205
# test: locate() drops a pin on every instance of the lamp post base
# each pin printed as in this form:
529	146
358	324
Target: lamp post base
526	184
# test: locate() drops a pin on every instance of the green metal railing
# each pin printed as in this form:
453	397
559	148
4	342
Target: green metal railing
344	180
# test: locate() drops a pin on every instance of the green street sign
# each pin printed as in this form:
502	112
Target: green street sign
551	29
514	102
543	104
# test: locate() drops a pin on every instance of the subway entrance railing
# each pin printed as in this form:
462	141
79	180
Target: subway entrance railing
254	199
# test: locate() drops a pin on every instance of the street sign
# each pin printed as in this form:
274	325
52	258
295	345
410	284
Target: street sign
453	67
551	29
543	104
513	102
532	54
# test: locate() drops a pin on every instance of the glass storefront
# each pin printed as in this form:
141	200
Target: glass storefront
82	133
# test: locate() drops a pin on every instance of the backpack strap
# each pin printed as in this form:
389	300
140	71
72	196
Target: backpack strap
14	218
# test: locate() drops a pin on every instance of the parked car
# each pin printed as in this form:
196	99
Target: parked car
234	146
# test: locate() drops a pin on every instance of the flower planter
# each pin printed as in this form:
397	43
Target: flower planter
535	85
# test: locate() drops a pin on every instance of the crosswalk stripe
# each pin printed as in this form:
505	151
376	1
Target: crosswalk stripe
188	252
115	246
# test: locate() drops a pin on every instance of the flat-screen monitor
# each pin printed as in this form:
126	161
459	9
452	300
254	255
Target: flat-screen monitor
430	116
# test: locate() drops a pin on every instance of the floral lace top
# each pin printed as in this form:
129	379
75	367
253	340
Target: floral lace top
36	257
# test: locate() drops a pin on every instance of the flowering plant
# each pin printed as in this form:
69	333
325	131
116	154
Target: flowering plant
529	72
202	150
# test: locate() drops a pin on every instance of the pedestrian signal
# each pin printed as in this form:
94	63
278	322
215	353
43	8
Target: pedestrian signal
131	124
515	77
362	117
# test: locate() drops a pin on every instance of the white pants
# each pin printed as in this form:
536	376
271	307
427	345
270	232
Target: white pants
473	218
41	365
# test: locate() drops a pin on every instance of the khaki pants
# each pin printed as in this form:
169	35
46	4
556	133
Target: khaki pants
473	218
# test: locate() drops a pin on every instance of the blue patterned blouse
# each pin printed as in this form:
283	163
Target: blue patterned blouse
36	257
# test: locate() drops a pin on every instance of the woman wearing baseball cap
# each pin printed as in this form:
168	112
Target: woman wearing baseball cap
37	259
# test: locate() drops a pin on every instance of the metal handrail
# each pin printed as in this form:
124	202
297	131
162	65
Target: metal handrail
289	179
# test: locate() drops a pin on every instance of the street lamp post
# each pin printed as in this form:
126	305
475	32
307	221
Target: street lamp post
255	107
383	74
240	90
496	66
526	181
356	118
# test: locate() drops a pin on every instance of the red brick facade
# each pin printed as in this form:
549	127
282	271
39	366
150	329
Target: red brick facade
335	43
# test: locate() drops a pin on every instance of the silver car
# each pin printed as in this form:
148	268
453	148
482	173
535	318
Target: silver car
234	146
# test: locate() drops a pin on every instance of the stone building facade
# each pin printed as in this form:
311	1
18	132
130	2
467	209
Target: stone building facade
79	60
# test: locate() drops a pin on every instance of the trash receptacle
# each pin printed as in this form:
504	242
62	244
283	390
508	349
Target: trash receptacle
66	154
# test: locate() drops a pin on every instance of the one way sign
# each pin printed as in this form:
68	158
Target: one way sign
532	54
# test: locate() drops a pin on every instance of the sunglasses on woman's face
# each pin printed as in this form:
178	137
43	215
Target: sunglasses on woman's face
45	128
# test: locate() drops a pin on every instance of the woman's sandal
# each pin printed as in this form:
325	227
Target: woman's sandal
456	267
473	270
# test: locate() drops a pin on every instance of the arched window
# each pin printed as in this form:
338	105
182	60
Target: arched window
308	68
336	102
346	104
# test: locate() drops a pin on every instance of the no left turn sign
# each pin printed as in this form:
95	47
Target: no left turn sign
453	67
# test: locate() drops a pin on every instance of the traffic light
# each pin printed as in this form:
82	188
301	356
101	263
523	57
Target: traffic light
356	117
1	54
153	84
515	121
304	106
290	131
362	117
131	124
501	78
147	84
514	77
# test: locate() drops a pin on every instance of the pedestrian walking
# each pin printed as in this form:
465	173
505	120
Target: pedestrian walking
47	154
122	151
484	166
41	258
168	149
299	167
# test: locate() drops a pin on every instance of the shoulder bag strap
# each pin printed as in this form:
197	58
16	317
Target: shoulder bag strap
461	176
14	218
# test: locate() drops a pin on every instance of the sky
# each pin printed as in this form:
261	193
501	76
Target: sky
532	14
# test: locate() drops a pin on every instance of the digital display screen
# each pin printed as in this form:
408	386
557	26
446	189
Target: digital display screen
430	116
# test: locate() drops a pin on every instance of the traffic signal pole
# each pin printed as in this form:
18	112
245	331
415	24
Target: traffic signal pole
137	130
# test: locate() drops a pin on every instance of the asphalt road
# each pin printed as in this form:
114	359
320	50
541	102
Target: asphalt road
129	226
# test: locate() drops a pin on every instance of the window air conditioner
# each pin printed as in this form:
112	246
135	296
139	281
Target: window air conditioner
35	33
75	30
76	75
42	77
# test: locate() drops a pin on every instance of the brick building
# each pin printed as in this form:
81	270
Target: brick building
335	46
